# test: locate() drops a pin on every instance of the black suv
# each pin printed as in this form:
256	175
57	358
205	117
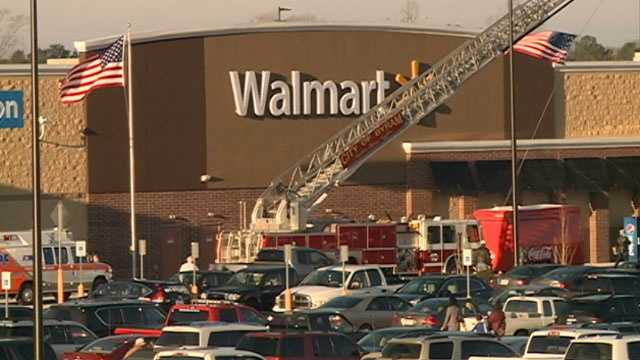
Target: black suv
21	348
104	317
431	286
255	286
601	308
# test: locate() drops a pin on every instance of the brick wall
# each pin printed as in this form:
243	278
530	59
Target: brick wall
63	156
601	103
109	218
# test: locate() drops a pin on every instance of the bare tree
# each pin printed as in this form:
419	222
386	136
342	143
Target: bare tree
10	26
410	12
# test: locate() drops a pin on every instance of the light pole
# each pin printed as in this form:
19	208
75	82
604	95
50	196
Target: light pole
514	145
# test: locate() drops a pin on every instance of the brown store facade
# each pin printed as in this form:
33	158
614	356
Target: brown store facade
237	105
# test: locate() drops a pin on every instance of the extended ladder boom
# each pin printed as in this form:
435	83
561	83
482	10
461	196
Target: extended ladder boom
286	203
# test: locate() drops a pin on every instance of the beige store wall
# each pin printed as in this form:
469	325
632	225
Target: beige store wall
598	99
63	155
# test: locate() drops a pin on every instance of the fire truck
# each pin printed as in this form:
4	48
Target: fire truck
282	212
16	257
417	246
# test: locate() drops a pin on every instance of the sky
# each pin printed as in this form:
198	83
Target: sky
613	22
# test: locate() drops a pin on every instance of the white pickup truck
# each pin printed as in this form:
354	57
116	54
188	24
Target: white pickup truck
524	314
552	344
605	347
326	283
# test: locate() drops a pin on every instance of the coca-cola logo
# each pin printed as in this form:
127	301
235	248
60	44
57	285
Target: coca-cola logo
538	254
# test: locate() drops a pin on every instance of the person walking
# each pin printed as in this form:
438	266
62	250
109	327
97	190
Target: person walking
622	248
497	321
452	317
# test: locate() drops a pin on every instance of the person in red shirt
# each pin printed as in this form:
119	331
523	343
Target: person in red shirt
497	321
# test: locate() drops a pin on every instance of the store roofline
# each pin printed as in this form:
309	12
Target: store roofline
505	145
145	37
588	66
25	69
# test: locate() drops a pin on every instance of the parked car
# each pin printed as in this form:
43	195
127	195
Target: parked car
367	312
430	286
203	334
326	283
204	279
163	293
21	348
527	313
202	311
255	286
516	343
601	308
623	327
313	320
523	275
458	347
107	348
102	318
16	312
300	345
375	340
431	313
63	336
604	347
208	354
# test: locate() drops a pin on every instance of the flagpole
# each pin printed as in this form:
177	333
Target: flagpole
38	329
514	146
132	172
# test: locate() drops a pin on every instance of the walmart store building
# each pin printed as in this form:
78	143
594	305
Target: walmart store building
234	104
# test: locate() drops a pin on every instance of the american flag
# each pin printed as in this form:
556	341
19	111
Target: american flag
548	45
104	69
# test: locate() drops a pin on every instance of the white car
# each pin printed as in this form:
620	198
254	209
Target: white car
204	334
604	347
326	283
207	354
524	314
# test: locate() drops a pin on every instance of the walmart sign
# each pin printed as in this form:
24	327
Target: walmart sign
11	109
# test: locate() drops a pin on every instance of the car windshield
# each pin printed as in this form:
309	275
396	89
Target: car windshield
585	351
423	286
185	317
273	255
549	344
563	273
246	278
430	306
342	302
106	346
331	278
177	339
374	341
401	351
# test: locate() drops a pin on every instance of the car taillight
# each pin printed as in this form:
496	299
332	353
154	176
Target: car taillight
430	320
558	284
395	321
521	282
493	283
159	296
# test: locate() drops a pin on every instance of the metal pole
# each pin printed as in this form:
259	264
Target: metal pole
468	283
132	172
38	333
60	221
514	145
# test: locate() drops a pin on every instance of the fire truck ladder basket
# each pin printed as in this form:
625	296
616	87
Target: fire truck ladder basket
285	204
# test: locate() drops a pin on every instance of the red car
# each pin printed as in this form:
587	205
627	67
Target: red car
184	314
107	348
300	346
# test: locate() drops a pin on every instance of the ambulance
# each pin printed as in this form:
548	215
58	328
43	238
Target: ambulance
16	257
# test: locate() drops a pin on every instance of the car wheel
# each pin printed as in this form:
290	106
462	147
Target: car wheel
521	333
97	282
25	295
365	328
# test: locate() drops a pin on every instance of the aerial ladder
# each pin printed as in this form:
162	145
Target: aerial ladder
286	204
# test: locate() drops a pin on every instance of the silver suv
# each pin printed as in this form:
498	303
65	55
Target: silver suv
453	347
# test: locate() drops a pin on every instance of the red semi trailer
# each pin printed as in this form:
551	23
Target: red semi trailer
546	233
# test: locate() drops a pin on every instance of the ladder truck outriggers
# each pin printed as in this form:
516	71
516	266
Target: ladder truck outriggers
282	212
